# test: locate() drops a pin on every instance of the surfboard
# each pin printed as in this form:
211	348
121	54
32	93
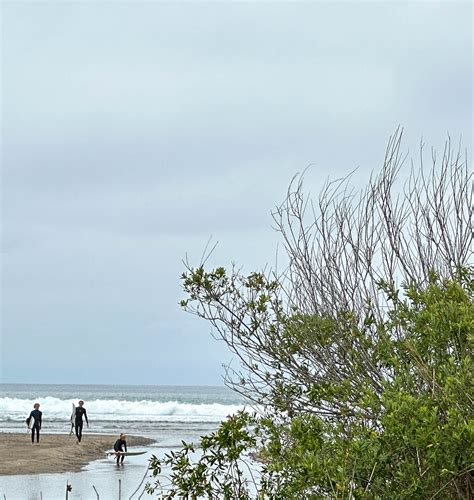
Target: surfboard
31	422
126	453
73	417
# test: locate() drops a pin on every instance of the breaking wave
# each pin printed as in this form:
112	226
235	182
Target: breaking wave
55	409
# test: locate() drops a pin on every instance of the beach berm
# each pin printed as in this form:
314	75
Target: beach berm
55	453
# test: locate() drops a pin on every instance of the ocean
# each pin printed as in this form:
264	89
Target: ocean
167	414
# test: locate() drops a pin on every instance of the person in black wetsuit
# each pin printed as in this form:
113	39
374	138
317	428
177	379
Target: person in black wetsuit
37	415
78	422
120	445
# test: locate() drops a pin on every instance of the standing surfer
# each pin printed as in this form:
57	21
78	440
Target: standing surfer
78	422
36	415
119	446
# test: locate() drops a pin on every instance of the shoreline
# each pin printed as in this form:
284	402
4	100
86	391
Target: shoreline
55	453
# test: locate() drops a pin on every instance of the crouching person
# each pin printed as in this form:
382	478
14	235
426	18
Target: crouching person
120	446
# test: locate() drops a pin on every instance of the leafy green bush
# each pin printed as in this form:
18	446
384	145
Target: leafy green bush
358	359
413	438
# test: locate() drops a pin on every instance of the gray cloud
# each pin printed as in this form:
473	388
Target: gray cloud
133	132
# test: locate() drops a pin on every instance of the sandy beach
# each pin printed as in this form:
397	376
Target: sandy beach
55	453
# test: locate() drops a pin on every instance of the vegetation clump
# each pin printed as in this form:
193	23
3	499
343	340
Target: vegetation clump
358	360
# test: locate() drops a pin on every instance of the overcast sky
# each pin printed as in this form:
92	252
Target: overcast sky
132	132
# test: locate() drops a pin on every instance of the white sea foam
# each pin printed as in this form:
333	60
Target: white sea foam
55	409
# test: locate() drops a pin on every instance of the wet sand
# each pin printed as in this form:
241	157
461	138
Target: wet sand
55	452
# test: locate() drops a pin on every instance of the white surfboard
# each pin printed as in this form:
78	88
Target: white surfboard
31	423
126	453
73	417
